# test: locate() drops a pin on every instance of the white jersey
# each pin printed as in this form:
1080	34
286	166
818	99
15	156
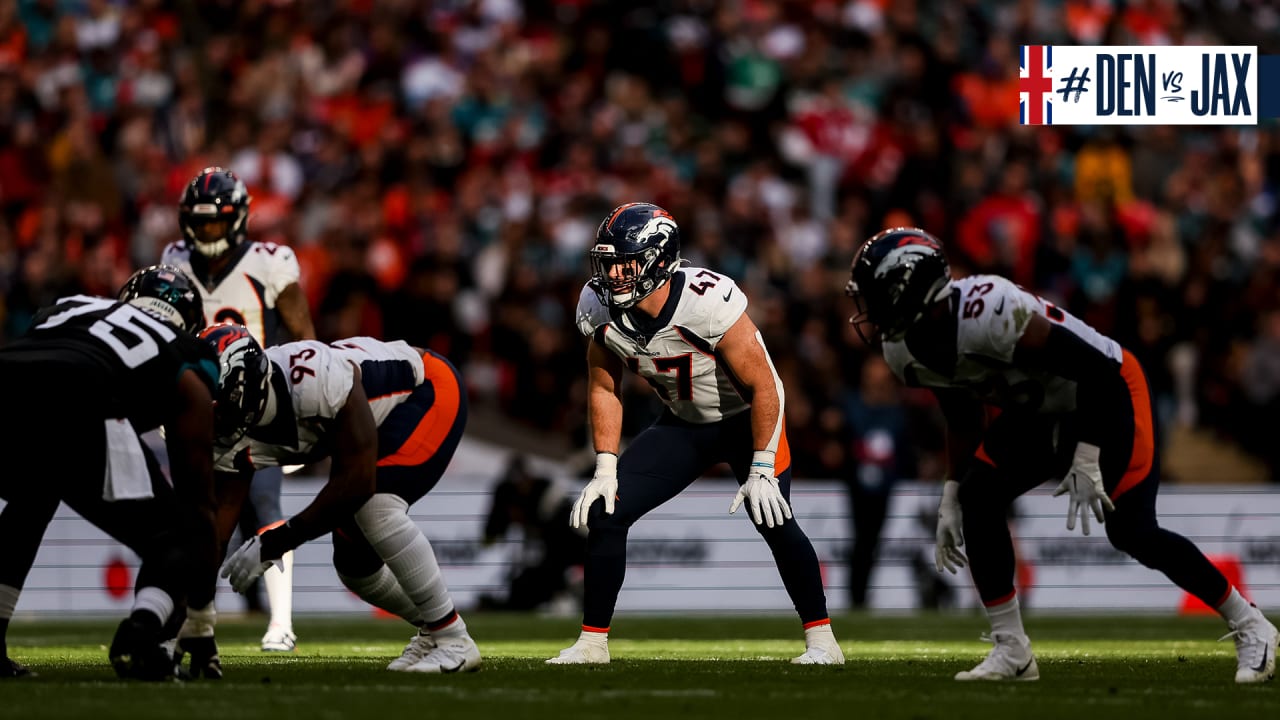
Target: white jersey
676	352
246	291
991	315
317	379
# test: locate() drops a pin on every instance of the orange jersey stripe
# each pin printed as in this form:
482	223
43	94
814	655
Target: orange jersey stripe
436	424
782	457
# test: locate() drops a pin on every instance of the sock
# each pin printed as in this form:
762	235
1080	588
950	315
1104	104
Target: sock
1235	609
817	632
1006	617
154	602
382	590
594	636
385	522
450	626
279	582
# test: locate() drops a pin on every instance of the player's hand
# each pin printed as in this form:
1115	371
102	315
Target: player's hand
761	490
603	485
195	638
245	565
1084	482
950	534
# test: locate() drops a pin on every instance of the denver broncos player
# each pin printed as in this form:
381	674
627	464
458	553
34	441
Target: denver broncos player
1072	404
390	416
256	285
90	375
686	332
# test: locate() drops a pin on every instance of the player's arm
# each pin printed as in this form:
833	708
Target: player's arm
744	353
351	478
1049	346
232	489
189	441
965	423
1052	347
295	313
22	526
604	407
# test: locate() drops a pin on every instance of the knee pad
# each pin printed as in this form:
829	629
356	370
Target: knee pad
384	517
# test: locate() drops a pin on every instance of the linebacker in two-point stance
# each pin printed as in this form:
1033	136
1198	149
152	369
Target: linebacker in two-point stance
686	332
1073	404
254	284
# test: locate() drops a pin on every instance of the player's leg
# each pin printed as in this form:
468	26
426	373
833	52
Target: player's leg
151	529
1130	470
1017	454
793	554
264	497
424	432
22	526
662	461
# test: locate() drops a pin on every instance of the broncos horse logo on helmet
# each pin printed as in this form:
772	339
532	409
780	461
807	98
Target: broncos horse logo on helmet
895	277
637	249
244	381
166	291
214	211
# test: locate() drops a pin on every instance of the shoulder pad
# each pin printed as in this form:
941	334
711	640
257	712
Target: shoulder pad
591	314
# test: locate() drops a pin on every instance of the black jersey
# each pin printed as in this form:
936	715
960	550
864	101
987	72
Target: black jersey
92	356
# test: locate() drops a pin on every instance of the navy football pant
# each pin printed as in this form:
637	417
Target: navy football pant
661	462
1019	452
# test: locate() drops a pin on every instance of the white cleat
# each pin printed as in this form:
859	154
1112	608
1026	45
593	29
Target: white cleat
418	647
1256	640
1010	660
583	653
279	639
822	650
450	655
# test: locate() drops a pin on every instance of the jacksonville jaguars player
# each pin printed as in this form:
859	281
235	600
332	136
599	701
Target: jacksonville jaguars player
686	332
390	416
1072	404
254	284
89	377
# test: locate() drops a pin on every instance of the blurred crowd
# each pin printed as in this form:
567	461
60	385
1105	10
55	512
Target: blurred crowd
440	168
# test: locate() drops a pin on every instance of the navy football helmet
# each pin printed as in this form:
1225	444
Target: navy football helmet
895	277
214	211
166	291
244	381
637	249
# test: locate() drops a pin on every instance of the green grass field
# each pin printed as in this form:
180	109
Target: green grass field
668	668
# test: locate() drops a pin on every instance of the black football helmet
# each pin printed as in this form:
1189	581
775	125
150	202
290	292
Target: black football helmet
214	211
244	381
637	248
166	291
895	277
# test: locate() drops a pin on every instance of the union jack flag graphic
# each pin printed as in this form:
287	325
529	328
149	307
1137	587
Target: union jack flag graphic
1035	85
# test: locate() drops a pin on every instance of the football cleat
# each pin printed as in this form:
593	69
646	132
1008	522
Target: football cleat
583	652
279	639
136	654
822	650
1256	640
450	655
1011	659
418	647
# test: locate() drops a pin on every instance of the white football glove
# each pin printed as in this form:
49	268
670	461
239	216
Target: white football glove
1084	482
950	535
196	638
245	565
763	492
603	485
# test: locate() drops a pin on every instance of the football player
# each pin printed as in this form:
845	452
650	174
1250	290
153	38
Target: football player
390	417
1072	404
90	375
686	332
253	284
